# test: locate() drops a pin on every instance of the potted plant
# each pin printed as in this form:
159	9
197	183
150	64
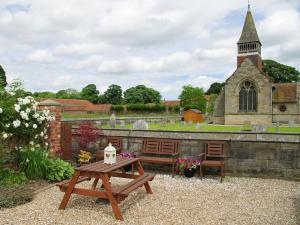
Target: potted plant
130	155
187	165
84	157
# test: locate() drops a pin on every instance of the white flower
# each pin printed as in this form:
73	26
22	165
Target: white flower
5	135
28	110
11	93
17	107
46	137
16	123
37	145
34	126
46	144
36	115
32	149
31	143
7	125
24	115
42	134
27	160
1	110
26	125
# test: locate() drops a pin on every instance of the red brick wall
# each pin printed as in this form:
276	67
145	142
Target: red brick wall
54	132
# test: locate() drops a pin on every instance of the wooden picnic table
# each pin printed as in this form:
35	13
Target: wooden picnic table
100	170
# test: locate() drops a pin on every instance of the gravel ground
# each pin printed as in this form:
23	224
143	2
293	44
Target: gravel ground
175	201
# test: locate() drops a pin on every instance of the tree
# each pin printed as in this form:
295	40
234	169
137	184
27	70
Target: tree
215	88
113	95
90	93
192	97
141	94
69	93
3	82
211	103
44	94
280	73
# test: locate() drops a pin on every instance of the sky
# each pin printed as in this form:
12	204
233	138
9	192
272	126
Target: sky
163	44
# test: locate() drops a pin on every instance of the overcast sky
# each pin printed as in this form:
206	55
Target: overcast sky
163	44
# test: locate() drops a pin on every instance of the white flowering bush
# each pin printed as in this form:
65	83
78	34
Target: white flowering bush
21	122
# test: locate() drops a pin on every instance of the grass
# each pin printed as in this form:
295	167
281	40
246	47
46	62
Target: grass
208	127
97	116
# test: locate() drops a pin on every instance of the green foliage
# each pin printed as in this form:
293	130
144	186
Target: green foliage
20	119
192	97
12	177
280	73
44	94
113	95
32	161
14	195
215	88
58	170
90	93
176	108
117	108
3	82
68	94
146	107
211	103
142	95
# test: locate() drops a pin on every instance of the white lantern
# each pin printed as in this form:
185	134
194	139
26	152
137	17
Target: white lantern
110	154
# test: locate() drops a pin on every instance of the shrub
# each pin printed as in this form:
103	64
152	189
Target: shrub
136	107
86	134
14	195
117	108
12	177
32	161
176	108
58	169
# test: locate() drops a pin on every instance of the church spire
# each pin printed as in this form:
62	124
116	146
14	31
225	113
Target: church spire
249	43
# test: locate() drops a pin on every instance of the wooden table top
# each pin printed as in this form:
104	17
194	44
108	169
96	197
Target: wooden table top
101	167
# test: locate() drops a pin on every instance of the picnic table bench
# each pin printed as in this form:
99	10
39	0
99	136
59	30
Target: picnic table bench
99	170
159	151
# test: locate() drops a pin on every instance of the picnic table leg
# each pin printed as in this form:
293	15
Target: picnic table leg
95	183
69	190
141	172
113	202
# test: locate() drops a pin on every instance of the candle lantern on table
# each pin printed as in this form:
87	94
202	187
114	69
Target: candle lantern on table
110	154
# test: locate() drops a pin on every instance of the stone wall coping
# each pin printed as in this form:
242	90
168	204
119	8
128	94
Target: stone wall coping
198	135
118	118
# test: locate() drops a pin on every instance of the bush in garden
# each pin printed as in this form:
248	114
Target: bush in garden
117	108
58	169
20	120
86	134
32	161
14	195
11	177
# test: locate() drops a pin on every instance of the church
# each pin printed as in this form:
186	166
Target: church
249	96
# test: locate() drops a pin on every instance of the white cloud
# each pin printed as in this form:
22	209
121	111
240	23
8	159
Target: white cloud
163	44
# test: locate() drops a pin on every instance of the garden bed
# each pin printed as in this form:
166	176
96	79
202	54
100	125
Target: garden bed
175	201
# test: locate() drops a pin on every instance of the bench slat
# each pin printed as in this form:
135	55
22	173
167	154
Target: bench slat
66	182
134	184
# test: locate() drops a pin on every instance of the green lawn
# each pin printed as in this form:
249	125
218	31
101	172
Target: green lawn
97	116
210	127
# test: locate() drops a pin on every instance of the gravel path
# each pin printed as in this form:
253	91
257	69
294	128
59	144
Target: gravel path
175	201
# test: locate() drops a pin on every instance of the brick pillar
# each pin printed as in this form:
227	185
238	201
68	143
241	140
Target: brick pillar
54	132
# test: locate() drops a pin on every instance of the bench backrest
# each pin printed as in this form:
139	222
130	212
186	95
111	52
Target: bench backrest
116	142
160	146
214	149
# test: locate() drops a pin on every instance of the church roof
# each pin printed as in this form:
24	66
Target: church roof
249	33
284	92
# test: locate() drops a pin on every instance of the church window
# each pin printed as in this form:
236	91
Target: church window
247	97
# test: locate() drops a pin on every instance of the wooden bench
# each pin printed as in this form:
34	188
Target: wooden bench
64	184
213	156
160	151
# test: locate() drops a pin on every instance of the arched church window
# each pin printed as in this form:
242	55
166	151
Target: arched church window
247	97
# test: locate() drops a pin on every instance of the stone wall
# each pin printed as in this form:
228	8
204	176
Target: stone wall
267	154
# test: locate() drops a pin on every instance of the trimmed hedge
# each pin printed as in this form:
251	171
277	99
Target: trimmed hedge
117	108
146	107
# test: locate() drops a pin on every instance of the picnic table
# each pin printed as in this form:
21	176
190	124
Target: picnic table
100	170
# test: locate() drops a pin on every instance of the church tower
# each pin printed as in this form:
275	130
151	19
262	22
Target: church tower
249	45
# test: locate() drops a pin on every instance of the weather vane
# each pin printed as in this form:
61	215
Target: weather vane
248	4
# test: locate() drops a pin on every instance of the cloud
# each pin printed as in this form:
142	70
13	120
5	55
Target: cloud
54	44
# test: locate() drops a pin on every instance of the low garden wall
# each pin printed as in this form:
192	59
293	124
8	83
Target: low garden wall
269	154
